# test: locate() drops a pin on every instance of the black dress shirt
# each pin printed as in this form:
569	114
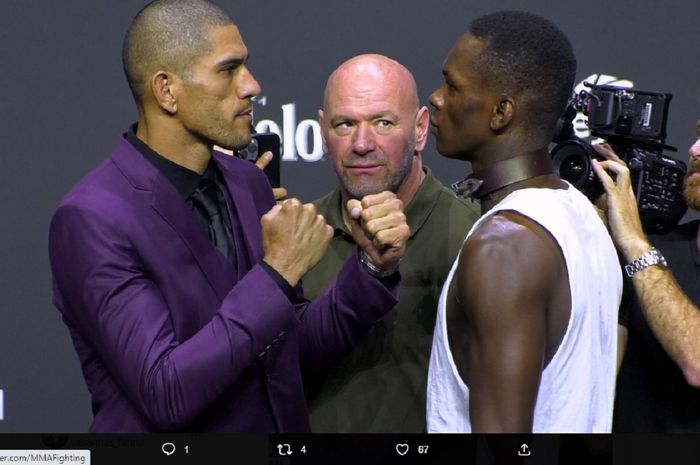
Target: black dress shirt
185	182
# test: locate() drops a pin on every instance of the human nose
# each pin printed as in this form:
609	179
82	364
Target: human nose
363	139
436	99
694	150
249	85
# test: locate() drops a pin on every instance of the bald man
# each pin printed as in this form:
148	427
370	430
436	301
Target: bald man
174	270
374	130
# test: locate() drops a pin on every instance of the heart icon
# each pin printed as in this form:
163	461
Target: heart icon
402	449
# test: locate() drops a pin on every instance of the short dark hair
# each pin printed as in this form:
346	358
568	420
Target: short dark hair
170	35
529	57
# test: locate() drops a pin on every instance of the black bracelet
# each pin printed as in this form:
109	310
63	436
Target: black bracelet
374	270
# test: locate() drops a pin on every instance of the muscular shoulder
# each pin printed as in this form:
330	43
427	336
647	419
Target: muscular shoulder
512	247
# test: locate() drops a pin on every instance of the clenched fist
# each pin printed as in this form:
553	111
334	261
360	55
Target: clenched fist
295	238
379	228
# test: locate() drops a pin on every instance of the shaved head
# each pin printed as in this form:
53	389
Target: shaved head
168	35
376	71
373	127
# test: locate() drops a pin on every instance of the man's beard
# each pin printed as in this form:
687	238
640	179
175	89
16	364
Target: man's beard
361	189
691	192
231	140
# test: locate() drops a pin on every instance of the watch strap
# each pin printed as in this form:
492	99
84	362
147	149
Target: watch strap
653	257
374	270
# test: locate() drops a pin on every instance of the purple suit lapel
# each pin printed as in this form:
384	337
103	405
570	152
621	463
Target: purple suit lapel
168	204
246	211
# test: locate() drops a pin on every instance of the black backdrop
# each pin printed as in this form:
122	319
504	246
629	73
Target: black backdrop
64	100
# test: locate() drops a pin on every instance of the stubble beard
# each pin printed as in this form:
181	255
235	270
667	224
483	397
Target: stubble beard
359	188
691	192
228	137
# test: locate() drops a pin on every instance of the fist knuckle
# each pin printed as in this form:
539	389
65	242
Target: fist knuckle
366	215
291	203
382	236
371	227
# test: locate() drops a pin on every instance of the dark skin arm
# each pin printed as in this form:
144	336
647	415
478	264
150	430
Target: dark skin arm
508	310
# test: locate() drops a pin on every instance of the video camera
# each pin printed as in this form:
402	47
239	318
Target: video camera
633	122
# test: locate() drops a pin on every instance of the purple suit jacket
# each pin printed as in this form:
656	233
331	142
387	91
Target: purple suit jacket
168	335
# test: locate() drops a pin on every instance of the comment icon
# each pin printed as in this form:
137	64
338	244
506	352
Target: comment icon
168	448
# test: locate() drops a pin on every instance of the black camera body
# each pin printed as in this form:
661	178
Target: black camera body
633	122
631	113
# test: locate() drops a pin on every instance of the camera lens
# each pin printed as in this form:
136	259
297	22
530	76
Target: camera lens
572	168
571	162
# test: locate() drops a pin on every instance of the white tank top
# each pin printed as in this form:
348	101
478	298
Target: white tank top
577	387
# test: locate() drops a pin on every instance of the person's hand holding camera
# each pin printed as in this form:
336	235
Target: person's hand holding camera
622	212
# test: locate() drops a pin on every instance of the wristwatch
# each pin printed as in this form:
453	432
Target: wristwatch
374	270
653	257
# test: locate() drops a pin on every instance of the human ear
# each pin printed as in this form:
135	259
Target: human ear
421	128
321	123
162	84
502	113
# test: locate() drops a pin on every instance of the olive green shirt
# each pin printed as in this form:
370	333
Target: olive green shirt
380	385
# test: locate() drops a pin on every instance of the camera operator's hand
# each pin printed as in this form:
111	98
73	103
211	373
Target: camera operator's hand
295	238
280	193
622	212
379	228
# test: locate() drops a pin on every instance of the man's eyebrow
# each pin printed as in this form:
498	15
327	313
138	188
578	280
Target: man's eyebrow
338	118
388	114
231	62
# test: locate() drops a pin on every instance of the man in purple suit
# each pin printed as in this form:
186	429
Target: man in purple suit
176	273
